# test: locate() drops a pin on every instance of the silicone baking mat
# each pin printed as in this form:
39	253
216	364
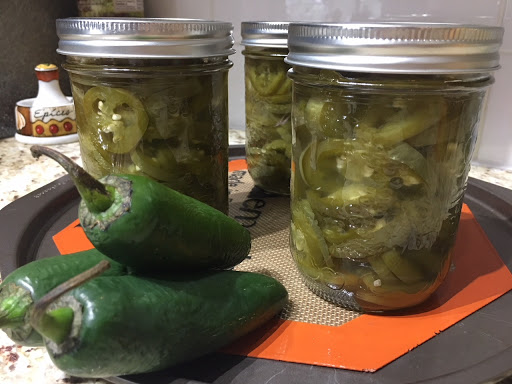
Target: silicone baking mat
313	331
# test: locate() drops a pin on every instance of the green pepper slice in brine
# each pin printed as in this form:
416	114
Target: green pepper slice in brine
155	159
118	115
265	78
308	238
322	164
327	117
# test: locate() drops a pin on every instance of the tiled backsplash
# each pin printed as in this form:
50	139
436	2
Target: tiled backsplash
495	139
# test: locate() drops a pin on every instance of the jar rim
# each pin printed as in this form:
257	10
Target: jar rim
390	47
271	34
144	37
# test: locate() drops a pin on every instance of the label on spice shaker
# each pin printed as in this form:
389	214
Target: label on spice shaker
53	121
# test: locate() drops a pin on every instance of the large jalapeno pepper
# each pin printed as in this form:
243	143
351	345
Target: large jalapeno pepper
111	326
149	226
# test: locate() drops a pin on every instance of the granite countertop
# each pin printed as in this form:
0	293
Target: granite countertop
20	174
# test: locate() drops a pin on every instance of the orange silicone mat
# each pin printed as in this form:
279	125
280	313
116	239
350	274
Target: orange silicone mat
312	331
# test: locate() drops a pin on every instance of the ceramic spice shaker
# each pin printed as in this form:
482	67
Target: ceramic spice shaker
49	118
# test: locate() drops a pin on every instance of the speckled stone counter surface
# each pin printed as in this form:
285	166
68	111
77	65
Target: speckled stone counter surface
20	174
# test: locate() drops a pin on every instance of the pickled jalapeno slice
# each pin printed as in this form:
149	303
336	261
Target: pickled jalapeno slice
155	159
117	116
308	237
327	117
264	77
169	109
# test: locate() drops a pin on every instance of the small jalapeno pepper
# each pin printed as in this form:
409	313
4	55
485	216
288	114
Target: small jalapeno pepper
148	226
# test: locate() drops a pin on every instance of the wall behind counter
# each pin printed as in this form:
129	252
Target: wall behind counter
494	147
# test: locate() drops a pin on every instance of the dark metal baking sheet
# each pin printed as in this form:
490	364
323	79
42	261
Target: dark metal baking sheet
477	349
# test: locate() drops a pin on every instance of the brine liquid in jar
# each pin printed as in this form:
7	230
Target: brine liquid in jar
379	169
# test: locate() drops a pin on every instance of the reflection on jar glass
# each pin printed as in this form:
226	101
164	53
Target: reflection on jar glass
164	117
379	168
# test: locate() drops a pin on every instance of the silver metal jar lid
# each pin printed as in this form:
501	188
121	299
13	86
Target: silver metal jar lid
272	34
144	38
395	47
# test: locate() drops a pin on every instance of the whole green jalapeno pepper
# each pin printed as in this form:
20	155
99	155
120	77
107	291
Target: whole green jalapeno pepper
111	326
28	283
149	226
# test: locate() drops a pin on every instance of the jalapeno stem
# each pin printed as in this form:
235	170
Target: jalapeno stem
56	324
94	193
14	302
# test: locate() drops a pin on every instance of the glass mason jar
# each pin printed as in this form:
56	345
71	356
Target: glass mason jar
151	98
268	104
384	123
